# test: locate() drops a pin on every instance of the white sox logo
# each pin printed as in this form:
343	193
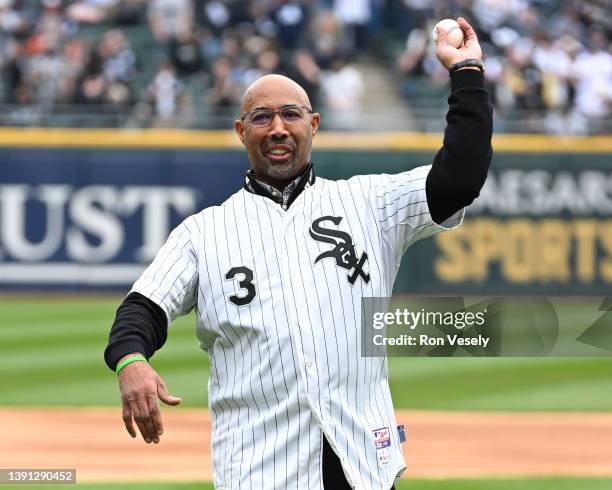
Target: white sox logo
344	250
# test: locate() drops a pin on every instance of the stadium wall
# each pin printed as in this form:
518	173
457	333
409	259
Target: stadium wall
89	208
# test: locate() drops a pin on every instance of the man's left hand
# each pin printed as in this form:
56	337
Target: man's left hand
470	49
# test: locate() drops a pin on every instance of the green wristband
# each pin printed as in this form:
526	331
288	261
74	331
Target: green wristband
129	360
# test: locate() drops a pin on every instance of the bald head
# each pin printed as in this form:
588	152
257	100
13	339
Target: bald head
273	87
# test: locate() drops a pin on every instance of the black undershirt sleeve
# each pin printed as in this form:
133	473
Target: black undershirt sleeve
140	326
460	167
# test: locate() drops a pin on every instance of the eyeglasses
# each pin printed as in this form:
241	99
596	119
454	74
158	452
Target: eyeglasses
264	117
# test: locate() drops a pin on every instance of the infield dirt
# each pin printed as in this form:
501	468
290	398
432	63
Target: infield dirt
439	445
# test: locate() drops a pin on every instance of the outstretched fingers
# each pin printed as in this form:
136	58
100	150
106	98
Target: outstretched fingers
141	389
138	410
154	418
164	394
127	419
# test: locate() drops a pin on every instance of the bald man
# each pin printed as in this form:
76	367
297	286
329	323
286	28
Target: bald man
277	273
280	152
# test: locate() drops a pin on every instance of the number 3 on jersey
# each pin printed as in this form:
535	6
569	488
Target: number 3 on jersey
247	288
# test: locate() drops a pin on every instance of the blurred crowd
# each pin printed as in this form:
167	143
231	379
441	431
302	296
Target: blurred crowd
169	62
548	61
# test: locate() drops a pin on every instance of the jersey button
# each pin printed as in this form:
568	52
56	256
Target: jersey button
308	364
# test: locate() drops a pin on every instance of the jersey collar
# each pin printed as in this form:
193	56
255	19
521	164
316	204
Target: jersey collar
288	194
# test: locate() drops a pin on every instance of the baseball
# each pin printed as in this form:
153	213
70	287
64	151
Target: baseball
454	32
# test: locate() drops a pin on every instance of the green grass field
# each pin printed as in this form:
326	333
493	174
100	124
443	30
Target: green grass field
51	355
59	342
510	484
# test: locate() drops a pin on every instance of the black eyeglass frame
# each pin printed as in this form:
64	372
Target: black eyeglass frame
274	112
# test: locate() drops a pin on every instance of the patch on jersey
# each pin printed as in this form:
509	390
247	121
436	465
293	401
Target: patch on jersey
382	440
343	252
401	431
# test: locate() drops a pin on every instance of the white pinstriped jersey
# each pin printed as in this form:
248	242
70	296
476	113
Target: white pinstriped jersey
282	327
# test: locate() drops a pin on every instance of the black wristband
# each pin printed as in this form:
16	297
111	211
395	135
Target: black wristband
466	79
471	62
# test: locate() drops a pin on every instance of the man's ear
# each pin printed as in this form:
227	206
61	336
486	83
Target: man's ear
314	122
239	127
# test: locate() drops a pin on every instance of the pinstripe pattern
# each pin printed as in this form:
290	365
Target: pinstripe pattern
286	367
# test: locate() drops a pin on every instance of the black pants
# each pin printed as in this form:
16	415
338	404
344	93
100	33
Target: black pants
333	475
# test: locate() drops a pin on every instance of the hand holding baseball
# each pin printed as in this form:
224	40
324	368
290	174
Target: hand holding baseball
448	54
141	389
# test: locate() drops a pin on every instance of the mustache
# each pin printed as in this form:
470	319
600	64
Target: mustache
290	145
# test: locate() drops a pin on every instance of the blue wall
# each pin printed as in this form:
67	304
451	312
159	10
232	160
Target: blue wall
93	218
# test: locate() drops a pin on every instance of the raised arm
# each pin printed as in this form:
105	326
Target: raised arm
460	167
